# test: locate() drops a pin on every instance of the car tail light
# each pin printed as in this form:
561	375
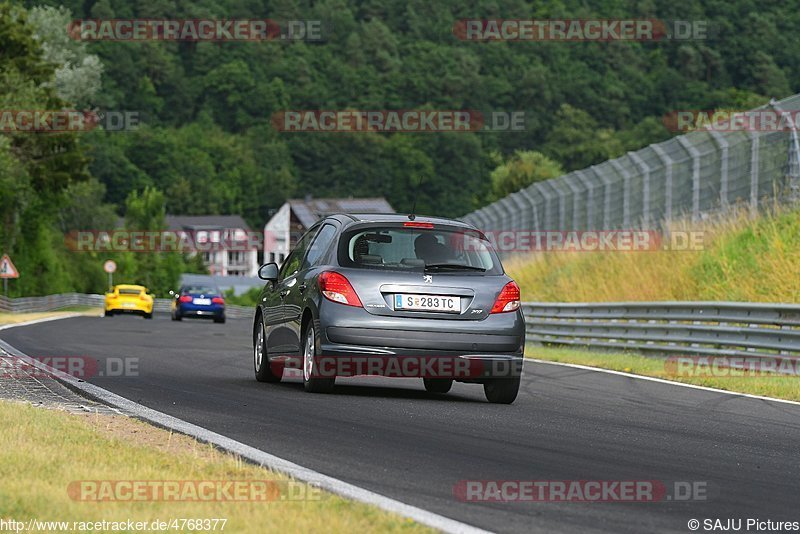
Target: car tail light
412	224
185	298
218	300
337	288
508	299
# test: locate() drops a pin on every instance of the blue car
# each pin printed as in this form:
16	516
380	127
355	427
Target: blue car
198	301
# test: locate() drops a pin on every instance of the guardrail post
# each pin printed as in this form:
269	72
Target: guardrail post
494	215
517	221
723	145
668	173
590	198
576	201
639	162
534	209
506	213
695	155
548	208
626	193
754	144
562	203
606	196
793	156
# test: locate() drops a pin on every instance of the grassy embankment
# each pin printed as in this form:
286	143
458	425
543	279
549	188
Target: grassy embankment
43	451
742	260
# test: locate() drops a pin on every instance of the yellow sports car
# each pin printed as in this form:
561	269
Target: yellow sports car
129	299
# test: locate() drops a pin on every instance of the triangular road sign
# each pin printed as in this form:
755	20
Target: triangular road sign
7	269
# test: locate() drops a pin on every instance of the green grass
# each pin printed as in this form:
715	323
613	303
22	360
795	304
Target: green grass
742	260
778	386
13	318
42	451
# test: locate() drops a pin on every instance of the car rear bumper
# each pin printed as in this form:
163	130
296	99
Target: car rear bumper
132	311
466	342
128	307
351	360
201	311
353	340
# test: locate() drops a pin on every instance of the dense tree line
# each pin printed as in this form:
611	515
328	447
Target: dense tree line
207	145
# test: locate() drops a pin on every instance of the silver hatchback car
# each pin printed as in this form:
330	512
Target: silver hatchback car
391	295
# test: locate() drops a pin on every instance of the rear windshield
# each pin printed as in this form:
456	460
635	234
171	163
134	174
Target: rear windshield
443	250
199	290
129	291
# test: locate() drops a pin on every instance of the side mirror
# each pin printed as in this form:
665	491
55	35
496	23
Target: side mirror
268	271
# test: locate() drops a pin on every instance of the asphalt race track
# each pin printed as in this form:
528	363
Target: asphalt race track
392	437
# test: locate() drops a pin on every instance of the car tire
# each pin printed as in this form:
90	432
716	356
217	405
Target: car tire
108	313
219	319
148	315
437	385
311	381
176	316
261	364
501	390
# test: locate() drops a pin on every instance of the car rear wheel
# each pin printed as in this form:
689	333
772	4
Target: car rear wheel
219	319
312	382
261	363
148	315
108	313
437	385
501	390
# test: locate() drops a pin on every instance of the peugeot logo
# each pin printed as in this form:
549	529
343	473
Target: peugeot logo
427	278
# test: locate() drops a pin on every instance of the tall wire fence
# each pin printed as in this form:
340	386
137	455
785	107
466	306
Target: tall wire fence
691	175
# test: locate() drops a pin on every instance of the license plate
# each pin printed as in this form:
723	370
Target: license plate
435	303
128	304
202	302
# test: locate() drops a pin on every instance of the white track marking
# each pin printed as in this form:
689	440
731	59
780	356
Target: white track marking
662	381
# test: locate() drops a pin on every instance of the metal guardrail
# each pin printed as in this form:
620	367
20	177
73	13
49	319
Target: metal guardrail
50	302
69	300
690	328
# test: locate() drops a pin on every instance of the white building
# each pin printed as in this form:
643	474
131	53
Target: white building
232	249
296	216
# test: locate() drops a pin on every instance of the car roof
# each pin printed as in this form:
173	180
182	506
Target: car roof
349	218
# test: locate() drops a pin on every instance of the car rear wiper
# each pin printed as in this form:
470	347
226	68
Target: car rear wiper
452	266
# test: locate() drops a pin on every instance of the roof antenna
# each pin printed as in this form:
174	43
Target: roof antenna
411	215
